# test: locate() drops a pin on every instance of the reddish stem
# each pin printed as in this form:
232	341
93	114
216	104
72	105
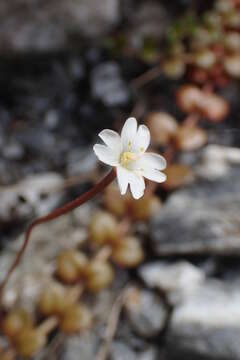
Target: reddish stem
55	214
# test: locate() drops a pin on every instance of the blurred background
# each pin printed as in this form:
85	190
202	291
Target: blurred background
119	279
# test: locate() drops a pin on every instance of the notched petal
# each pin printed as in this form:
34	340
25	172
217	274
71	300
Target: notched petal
154	175
111	138
153	160
123	179
137	185
128	133
142	140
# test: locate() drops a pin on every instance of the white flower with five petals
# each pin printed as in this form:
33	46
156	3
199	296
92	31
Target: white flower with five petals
128	154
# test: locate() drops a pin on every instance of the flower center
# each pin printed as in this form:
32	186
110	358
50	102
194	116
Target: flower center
127	157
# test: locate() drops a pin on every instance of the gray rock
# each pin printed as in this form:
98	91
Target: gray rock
216	161
150	20
107	85
201	219
146	312
37	140
13	151
121	351
83	346
81	162
76	68
149	354
2	140
46	242
51	119
175	279
103	302
206	325
46	26
35	195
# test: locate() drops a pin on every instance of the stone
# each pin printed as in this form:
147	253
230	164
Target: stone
47	241
121	351
82	215
150	20
81	162
146	312
35	195
51	119
37	140
200	219
216	161
13	151
107	84
76	68
84	344
206	324
38	26
176	279
149	354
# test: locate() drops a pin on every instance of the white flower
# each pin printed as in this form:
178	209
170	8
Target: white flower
128	153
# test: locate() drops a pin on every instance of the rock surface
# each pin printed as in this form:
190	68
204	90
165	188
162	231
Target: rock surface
46	26
108	86
206	325
217	161
85	344
121	351
146	312
46	242
36	195
150	20
202	219
81	162
176	280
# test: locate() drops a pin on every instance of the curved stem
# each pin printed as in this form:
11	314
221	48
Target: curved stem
54	215
147	76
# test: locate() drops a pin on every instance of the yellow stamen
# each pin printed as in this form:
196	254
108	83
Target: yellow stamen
127	157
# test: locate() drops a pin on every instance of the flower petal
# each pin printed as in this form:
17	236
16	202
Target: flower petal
151	161
106	155
111	139
154	175
142	139
128	133
123	179
137	185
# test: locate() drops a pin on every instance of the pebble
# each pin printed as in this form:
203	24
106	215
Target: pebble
81	161
176	279
205	217
85	344
121	351
108	86
35	195
206	324
146	312
13	151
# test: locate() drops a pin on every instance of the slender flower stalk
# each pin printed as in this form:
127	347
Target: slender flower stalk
128	154
99	187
